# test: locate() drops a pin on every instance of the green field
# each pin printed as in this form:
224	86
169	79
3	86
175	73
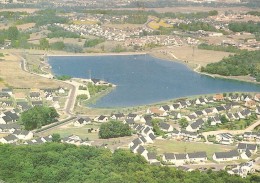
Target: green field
172	146
82	132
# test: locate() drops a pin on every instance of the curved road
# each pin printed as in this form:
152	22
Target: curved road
69	105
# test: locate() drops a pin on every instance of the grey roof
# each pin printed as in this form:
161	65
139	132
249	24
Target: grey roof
140	149
7	90
147	129
10	137
4	95
34	94
148	118
151	156
197	123
201	154
176	106
7	119
169	156
132	148
10	126
137	141
129	121
229	154
166	107
132	115
208	110
248	153
7	102
151	135
199	113
12	115
192	116
220	108
164	126
143	139
101	117
119	115
37	103
180	156
245	146
81	120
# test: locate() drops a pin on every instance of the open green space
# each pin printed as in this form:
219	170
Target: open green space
172	146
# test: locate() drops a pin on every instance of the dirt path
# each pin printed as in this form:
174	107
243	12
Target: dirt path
233	132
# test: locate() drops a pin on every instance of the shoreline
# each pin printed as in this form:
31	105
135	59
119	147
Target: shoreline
96	54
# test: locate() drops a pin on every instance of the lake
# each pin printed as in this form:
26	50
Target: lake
143	79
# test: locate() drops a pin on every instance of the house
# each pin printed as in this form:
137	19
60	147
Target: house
165	127
220	108
118	117
175	107
76	140
251	136
135	117
246	154
9	128
136	142
37	103
151	158
190	117
156	111
165	108
208	111
82	121
214	120
23	134
168	158
257	97
243	169
218	97
4	95
242	147
250	103
142	151
201	101
175	115
101	119
49	97
146	119
234	98
184	104
198	113
190	136
175	134
12	115
35	95
7	90
244	114
6	120
130	122
6	103
23	105
8	139
225	138
195	126
257	110
226	156
181	159
61	90
246	97
197	157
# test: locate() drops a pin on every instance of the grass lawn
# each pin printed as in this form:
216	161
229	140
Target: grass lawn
172	146
68	130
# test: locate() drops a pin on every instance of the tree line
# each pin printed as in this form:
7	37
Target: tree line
241	64
55	162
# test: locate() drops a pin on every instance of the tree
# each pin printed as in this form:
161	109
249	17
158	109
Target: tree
183	123
114	129
56	137
38	116
223	119
13	33
44	44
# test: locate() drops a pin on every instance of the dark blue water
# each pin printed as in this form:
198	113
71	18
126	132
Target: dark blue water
142	79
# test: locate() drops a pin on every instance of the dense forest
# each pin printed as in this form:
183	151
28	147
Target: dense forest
54	162
250	26
244	63
113	129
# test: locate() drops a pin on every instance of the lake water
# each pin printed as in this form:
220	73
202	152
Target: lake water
142	79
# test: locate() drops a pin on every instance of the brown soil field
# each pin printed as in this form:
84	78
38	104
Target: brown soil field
14	76
190	57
